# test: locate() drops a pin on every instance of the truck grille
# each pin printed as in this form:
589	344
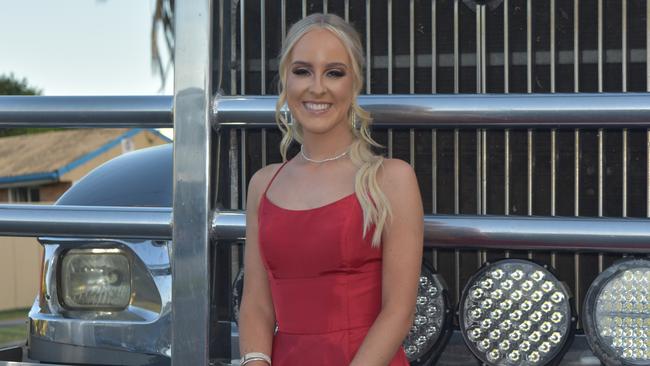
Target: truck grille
450	46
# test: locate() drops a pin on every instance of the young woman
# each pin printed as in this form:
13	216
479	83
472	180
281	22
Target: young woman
334	235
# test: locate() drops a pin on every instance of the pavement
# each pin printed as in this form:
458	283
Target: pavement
12	322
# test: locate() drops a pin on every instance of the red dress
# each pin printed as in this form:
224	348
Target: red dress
325	281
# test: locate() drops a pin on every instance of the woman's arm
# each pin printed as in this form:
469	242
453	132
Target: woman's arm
402	255
256	314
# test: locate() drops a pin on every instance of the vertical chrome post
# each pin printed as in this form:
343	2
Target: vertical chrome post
484	172
576	173
529	46
553	170
434	171
457	49
390	143
304	8
506	49
648	173
456	171
479	171
553	57
242	50
262	46
434	52
624	45
390	46
368	54
624	198
576	45
243	168
412	147
346	12
506	168
647	46
283	17
601	159
325	6
191	204
529	166
411	46
263	147
600	46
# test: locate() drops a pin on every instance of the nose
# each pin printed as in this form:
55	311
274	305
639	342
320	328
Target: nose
317	86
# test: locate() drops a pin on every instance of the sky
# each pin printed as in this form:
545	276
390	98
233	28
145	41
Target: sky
80	47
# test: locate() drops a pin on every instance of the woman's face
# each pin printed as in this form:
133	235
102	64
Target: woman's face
319	82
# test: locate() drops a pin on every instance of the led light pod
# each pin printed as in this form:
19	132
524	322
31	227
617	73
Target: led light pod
532	305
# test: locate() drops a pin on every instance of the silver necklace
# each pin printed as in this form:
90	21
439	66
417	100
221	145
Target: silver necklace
302	152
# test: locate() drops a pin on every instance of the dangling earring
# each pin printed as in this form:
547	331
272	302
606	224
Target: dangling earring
354	121
288	117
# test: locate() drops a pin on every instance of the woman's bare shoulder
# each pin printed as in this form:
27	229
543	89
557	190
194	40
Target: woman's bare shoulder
396	174
260	180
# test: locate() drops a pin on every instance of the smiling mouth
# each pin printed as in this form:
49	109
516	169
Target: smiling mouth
317	107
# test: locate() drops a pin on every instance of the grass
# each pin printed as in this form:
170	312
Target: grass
14	314
14	333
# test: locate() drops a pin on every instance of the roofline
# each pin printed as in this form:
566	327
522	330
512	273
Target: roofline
53	176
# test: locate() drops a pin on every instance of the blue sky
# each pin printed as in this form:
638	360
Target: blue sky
79	47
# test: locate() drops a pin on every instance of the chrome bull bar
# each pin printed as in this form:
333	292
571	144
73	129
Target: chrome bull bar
193	113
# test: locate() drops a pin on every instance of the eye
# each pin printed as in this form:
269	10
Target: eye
336	73
300	72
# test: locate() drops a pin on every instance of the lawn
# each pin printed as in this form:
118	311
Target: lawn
14	333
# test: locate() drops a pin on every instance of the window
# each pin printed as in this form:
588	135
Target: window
24	194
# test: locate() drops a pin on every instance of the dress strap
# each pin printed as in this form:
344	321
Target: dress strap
275	175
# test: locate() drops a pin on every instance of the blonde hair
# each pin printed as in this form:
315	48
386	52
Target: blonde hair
375	205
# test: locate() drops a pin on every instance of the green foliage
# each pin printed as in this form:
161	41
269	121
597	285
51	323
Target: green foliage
11	85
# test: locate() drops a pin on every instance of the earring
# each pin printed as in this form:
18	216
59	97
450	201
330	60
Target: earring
354	121
288	117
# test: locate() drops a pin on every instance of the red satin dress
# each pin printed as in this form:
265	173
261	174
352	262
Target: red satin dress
325	281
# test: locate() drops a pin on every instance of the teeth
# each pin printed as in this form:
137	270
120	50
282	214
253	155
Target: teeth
317	106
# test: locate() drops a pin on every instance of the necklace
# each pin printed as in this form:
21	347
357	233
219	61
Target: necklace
302	152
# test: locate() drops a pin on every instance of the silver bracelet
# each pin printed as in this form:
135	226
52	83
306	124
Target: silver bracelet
255	356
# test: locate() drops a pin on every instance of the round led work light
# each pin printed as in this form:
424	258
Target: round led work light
431	325
617	313
515	312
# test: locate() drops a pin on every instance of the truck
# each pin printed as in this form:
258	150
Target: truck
527	123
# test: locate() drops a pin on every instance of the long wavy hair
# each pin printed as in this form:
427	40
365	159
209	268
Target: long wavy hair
375	205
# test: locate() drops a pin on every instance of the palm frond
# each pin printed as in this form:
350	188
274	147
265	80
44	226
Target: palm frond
163	20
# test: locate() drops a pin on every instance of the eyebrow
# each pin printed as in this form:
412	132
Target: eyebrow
329	65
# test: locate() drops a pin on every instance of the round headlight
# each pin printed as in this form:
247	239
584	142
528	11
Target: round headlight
616	314
515	312
431	325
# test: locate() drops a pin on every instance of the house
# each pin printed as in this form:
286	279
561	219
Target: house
40	168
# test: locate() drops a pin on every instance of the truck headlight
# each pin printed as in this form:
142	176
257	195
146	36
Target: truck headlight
95	279
516	312
617	313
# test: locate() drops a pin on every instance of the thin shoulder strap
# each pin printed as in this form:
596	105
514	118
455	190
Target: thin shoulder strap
275	175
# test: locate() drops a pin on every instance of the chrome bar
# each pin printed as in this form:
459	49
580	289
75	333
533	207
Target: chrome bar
456	49
325	6
484	59
244	178
434	52
479	9
552	50
624	198
86	221
647	52
601	262
412	147
564	234
242	49
434	171
456	276
576	46
506	167
390	143
601	159
104	111
346	13
283	17
600	46
648	170
553	170
456	171
484	171
506	49
304	8
411	46
263	147
488	110
529	46
529	166
390	46
576	288
263	46
189	257
368	54
576	172
233	163
624	45
479	178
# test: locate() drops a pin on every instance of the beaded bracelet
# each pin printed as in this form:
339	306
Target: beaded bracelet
255	356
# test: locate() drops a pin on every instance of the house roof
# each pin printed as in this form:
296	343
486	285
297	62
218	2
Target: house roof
46	156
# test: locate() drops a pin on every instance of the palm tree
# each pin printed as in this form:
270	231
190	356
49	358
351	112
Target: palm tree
163	21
